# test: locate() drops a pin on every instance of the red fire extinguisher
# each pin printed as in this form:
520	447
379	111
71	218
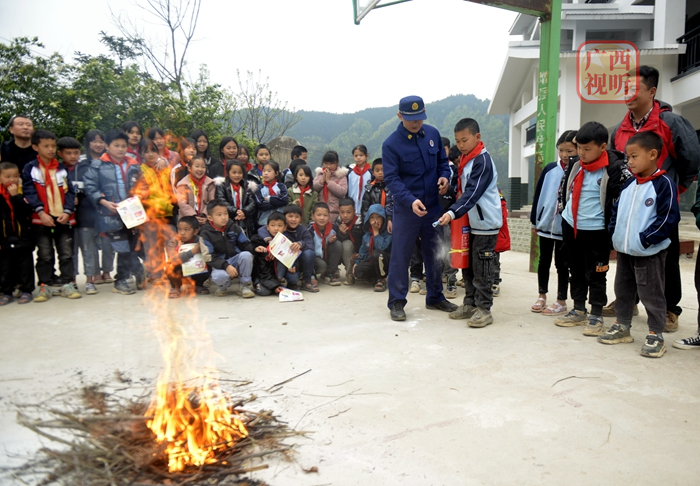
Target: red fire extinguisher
459	251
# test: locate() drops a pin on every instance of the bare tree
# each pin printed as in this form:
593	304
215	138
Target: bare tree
166	54
261	115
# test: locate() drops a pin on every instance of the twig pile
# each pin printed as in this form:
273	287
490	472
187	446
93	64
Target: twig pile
106	442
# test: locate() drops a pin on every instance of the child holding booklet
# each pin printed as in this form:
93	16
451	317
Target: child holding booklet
187	234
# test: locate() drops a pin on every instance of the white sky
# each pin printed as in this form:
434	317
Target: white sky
315	56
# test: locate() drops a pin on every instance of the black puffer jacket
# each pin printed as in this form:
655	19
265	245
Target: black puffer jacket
225	193
20	234
224	244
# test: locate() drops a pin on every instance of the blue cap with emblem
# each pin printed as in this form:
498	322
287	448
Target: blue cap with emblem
412	108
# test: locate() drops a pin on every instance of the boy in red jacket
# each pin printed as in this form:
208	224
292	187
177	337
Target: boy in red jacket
51	198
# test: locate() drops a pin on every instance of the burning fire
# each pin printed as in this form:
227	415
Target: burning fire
190	416
194	422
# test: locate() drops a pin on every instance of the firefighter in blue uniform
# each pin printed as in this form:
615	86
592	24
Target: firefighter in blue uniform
416	171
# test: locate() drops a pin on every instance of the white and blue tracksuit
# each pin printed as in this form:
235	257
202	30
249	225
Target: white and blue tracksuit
545	216
642	221
644	215
480	198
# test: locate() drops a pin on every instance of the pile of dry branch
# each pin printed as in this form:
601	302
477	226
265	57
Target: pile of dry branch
104	441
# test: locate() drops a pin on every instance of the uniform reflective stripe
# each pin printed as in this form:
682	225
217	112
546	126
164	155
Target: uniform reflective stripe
629	218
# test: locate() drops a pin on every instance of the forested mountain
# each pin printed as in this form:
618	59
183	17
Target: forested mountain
320	131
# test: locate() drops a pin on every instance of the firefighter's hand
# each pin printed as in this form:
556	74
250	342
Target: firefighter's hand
419	208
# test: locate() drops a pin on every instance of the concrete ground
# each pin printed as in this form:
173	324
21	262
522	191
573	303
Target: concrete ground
427	401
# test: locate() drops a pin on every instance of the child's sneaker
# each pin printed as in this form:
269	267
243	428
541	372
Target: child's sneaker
654	346
573	318
334	281
70	291
44	294
349	279
595	326
451	292
90	288
246	291
107	278
122	287
671	322
481	318
423	289
219	292
415	286
496	290
693	342
460	282
463	312
616	335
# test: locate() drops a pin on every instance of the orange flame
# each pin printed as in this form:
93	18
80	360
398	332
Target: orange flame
189	414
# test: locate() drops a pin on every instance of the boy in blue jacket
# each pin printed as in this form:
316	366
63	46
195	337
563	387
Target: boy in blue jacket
647	211
480	199
373	262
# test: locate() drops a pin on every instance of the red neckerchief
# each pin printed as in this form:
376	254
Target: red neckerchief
303	191
563	165
360	173
199	183
597	164
6	194
48	180
465	159
642	180
326	233
248	167
236	188
220	230
135	154
383	200
271	187
166	153
350	227
371	243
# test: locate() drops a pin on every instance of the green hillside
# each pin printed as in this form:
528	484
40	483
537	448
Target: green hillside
321	131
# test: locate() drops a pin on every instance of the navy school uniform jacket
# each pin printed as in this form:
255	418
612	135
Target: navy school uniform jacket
300	234
480	198
412	164
224	244
545	216
265	207
264	265
644	215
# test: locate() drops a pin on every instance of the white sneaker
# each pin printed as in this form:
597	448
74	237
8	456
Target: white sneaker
415	286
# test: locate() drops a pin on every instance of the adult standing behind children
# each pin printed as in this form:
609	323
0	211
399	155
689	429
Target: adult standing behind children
416	172
19	149
680	158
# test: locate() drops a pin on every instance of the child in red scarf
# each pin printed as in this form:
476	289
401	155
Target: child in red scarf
331	182
196	190
302	193
348	227
591	183
107	183
51	197
16	239
372	263
327	248
359	175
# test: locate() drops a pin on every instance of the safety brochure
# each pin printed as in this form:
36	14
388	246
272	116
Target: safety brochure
194	265
132	213
279	247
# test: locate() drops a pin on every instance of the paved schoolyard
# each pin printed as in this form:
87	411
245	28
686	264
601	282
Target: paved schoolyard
424	402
